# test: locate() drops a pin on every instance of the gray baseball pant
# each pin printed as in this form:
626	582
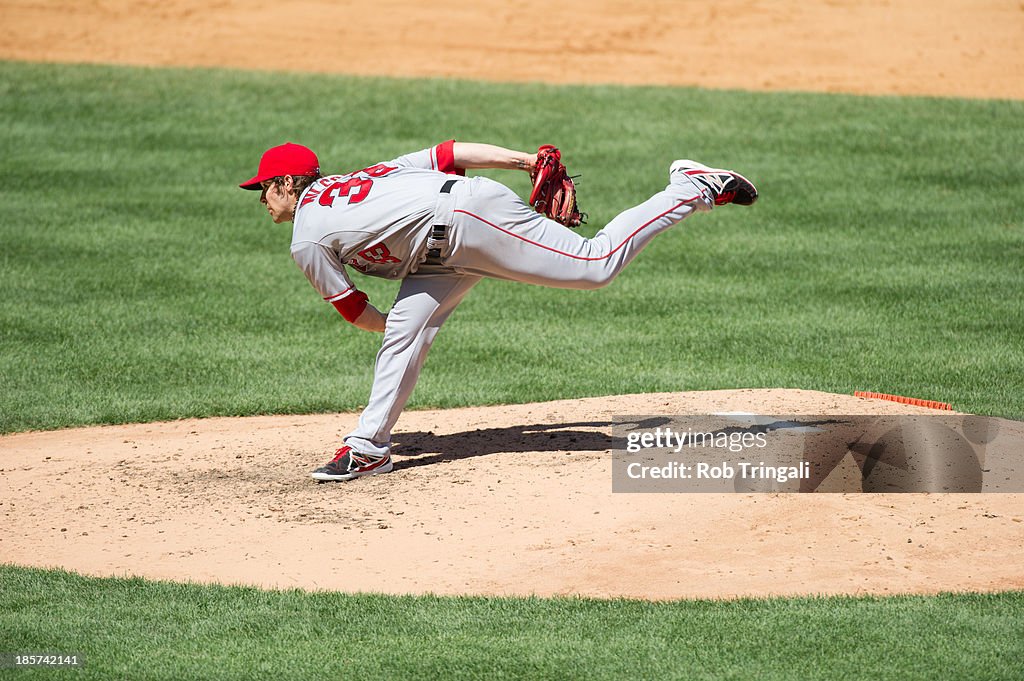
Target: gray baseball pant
493	233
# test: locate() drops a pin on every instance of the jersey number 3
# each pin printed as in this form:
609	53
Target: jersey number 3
355	188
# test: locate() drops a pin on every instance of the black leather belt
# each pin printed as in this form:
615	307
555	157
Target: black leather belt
440	232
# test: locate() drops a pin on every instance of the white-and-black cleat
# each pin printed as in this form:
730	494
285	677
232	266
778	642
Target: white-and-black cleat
349	464
720	186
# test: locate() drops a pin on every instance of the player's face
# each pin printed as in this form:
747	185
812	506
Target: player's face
279	200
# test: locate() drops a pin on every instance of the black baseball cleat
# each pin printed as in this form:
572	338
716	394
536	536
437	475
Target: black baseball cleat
349	464
721	186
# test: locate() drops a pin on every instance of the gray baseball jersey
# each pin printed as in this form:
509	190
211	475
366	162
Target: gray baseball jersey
376	220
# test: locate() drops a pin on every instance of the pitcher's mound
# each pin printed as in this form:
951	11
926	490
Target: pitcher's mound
496	500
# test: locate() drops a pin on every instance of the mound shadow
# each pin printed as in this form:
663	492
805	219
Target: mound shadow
426	448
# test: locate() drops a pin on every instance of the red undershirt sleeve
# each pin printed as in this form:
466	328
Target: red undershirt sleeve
350	304
445	152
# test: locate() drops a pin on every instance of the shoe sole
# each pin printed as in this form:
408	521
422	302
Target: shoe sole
748	187
328	477
747	198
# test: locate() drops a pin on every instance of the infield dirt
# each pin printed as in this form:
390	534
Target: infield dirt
517	499
496	500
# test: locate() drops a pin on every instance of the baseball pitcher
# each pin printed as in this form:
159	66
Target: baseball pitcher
417	218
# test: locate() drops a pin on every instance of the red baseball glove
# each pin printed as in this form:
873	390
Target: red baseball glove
554	193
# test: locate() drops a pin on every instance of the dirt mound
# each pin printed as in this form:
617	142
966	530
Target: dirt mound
497	500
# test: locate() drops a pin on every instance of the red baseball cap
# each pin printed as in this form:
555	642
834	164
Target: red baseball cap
286	159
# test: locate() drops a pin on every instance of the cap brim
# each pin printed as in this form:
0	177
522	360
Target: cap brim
254	183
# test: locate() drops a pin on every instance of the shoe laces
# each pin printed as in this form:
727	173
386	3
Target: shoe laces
354	457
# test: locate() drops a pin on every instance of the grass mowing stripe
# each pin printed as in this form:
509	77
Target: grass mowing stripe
136	629
140	284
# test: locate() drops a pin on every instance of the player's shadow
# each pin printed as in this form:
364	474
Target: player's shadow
428	448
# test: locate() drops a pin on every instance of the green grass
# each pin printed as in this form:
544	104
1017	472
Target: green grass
130	628
140	284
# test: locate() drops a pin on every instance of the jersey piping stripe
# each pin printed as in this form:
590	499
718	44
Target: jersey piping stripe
570	255
339	296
